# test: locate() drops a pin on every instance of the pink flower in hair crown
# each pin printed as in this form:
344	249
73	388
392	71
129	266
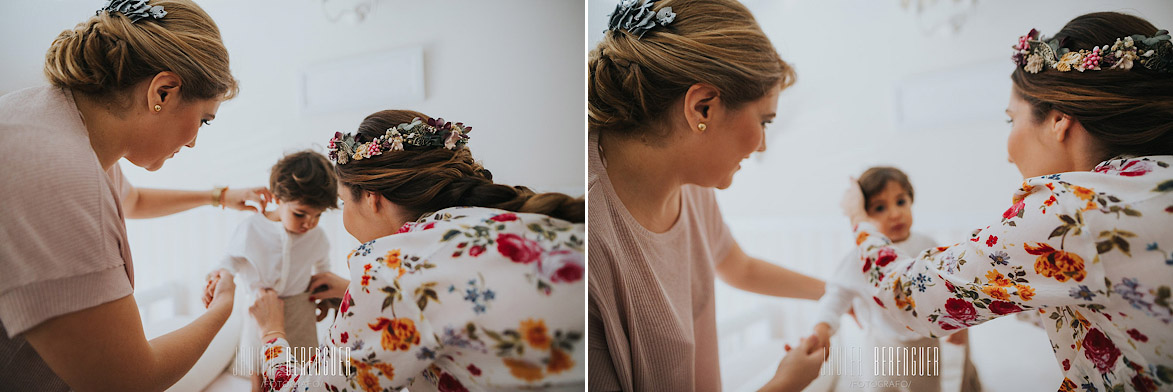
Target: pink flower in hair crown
1154	53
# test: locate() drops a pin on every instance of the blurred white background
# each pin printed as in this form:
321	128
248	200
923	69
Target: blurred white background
512	69
880	83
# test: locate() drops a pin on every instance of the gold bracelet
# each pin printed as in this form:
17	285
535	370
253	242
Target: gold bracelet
218	196
270	333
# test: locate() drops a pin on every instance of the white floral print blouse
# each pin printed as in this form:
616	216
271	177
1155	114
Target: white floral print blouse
1088	251
464	299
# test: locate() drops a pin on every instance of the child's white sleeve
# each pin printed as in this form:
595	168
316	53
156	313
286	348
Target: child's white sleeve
836	299
834	303
322	264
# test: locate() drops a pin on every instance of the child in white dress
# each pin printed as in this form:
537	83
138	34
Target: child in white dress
283	249
888	195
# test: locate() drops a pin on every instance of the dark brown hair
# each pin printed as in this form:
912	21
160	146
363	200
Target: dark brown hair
633	81
307	178
874	179
1127	112
428	179
107	53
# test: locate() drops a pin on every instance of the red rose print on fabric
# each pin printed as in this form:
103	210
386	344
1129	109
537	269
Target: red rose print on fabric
505	217
1004	307
1100	350
960	310
885	256
518	248
1015	210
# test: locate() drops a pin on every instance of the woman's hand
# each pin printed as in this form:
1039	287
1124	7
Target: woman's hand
852	203
220	288
327	285
799	368
236	198
269	312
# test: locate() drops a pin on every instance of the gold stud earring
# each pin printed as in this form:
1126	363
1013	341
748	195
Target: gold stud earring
702	127
158	108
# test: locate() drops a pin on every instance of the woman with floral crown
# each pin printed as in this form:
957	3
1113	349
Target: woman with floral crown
460	283
1087	242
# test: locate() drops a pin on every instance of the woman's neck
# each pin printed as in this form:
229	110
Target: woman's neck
108	144
646	180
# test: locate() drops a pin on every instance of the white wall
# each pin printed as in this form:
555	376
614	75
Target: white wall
513	69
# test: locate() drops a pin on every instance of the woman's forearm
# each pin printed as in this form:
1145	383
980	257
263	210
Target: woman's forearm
175	353
763	277
152	203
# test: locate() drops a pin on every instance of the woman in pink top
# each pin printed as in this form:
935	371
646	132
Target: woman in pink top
680	91
135	81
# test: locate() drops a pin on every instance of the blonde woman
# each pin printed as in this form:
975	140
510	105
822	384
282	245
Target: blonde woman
680	92
135	81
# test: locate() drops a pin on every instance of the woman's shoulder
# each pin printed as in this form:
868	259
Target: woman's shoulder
1116	182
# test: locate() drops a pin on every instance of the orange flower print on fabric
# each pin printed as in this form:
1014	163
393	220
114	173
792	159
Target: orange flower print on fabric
1057	264
398	334
1025	292
523	370
997	279
273	352
394	260
861	238
559	362
387	369
535	334
996	292
1083	193
369	381
1068	385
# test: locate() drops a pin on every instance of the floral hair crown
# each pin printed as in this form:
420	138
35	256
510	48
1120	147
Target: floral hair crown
136	10
639	18
1153	53
434	132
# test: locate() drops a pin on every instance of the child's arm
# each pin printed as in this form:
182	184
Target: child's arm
759	276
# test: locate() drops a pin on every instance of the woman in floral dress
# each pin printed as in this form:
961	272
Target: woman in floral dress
1087	240
460	283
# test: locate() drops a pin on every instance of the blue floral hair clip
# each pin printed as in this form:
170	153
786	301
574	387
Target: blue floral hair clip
638	18
136	10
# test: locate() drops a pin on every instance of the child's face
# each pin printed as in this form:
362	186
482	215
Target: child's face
298	218
891	209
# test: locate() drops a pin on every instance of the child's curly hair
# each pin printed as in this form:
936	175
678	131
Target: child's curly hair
873	181
306	177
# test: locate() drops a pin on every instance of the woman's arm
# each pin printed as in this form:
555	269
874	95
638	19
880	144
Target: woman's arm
758	276
105	348
1038	255
143	203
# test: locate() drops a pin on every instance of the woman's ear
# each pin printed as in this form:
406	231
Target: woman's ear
373	201
1061	125
163	91
702	102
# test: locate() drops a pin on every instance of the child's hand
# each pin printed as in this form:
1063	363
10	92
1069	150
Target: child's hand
823	332
220	287
852	203
799	368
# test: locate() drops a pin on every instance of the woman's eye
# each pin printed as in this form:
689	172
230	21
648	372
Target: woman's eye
299	215
1010	121
205	122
